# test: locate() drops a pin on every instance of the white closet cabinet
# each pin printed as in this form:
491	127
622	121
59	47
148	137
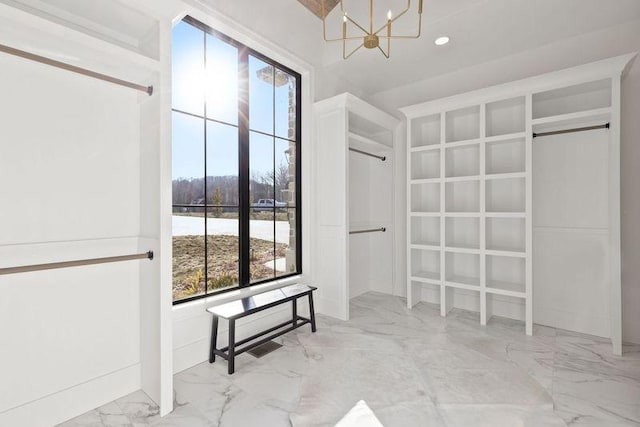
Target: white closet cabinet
514	201
354	199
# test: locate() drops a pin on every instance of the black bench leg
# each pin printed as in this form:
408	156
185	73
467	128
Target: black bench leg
312	313
294	311
214	339
232	345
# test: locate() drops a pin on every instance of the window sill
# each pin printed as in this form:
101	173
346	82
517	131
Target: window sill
197	308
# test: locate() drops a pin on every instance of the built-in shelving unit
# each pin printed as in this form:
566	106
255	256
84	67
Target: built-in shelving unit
467	203
472	232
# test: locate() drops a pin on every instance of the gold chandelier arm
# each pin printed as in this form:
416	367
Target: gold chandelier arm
398	16
344	13
344	45
345	38
356	24
407	36
386	54
324	28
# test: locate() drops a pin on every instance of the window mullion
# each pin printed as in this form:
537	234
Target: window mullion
204	123
243	170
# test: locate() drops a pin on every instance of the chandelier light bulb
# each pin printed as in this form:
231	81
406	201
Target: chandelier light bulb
389	15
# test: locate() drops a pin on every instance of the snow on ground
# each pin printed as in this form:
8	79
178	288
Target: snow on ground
194	226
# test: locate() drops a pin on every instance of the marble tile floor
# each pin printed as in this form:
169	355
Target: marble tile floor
413	368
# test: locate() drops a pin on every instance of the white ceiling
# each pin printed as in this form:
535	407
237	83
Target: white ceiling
480	31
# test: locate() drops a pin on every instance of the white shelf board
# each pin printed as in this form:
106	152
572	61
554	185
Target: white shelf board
513	254
573	118
425	214
426	277
460	282
505	137
506	288
364	142
462	214
462	250
505	214
425	180
429	147
425	247
462	178
463	143
493	176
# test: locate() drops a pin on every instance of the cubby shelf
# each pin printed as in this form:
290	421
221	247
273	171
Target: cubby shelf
462	178
477	201
424	214
505	214
426	277
505	175
506	292
425	247
462	250
425	148
514	254
460	282
463	143
425	181
461	214
505	137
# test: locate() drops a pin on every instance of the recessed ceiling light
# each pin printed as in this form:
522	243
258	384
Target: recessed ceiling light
442	40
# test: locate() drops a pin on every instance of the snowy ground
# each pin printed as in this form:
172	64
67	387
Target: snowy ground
194	226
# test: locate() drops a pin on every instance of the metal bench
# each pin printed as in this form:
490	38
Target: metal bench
246	306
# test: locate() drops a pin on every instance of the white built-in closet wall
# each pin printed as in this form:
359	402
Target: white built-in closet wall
79	179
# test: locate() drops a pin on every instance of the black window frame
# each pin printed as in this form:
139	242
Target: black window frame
244	205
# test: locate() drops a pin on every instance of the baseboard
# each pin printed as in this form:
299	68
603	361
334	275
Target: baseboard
66	404
586	324
330	308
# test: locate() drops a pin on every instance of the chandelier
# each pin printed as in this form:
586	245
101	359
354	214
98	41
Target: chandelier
370	38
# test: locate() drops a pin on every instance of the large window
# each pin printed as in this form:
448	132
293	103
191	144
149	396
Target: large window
236	168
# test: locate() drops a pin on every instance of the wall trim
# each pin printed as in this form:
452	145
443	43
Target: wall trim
74	401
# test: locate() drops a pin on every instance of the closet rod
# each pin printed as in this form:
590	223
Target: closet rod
558	132
77	263
372	230
74	69
355	150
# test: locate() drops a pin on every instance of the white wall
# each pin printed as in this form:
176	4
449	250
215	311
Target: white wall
586	48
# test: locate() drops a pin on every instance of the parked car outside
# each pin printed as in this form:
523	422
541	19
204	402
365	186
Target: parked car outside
267	205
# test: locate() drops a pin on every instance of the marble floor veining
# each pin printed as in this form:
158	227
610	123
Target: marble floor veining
413	368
